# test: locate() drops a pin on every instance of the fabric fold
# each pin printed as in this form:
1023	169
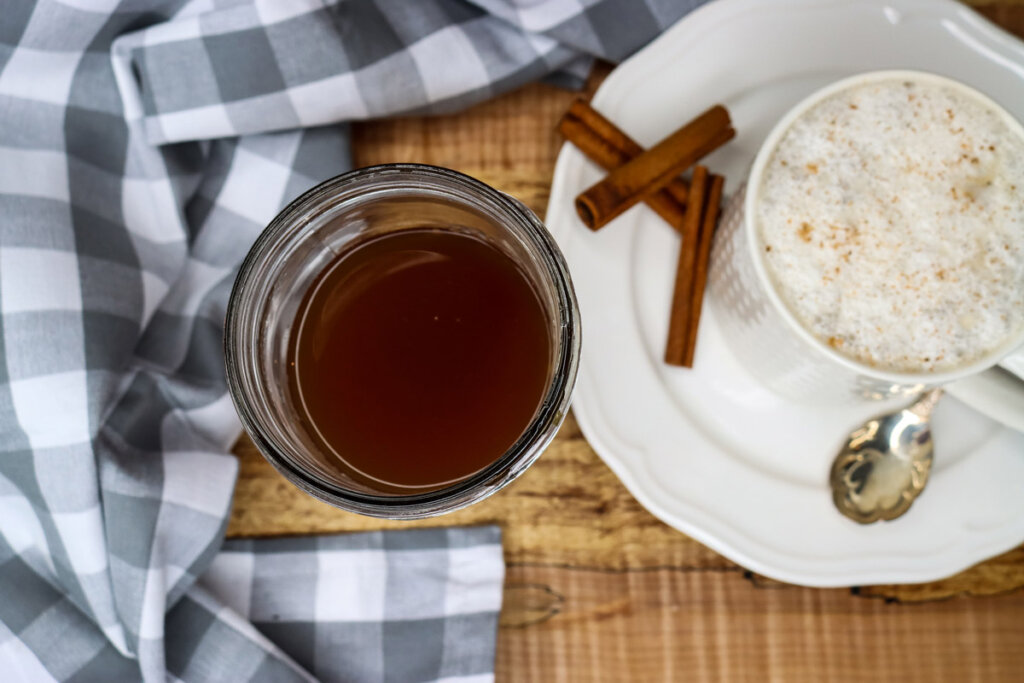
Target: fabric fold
267	66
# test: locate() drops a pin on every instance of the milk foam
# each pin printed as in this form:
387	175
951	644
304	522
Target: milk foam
891	220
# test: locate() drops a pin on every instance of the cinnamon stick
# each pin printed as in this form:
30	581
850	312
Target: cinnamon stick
700	271
682	296
647	173
608	146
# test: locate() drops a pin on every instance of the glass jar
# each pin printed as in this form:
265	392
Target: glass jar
304	239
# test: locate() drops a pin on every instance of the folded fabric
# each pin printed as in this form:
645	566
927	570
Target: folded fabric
143	146
417	605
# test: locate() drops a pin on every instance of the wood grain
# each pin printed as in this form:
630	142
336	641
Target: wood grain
664	625
597	588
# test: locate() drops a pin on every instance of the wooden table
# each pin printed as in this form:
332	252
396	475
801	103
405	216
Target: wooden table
599	590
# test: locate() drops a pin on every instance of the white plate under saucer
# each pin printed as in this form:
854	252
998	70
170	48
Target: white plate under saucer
709	450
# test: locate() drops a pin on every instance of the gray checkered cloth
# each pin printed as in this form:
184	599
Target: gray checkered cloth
143	145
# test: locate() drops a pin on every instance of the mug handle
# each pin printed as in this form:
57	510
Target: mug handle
998	392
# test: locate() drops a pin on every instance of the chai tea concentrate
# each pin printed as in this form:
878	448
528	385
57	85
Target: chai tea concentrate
420	358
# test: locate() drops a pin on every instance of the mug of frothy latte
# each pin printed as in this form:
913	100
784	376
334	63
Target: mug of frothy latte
878	246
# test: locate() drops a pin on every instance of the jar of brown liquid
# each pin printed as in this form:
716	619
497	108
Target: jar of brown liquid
402	341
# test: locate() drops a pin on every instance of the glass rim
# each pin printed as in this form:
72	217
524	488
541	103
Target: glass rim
535	437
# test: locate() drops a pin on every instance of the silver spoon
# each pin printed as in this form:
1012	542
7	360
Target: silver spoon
884	465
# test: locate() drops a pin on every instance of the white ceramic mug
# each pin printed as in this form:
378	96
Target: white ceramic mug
769	340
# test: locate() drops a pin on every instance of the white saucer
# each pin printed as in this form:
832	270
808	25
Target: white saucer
710	451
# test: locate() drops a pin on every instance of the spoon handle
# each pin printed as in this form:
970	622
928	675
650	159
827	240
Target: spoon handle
923	406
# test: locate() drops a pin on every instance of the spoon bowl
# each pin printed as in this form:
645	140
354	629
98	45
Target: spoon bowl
884	464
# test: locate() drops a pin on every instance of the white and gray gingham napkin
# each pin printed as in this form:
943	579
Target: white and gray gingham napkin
143	145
